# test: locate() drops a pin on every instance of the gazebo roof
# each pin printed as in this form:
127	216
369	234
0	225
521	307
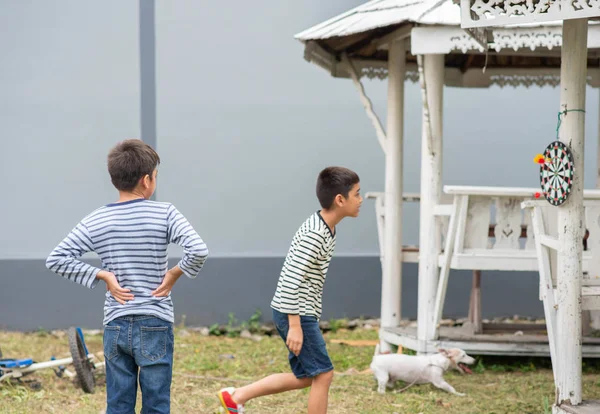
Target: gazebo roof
433	26
380	17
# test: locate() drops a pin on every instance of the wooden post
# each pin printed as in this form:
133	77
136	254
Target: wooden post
475	303
594	316
431	191
598	148
392	262
573	74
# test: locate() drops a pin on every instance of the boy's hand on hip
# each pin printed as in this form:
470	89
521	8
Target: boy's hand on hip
168	282
294	339
112	285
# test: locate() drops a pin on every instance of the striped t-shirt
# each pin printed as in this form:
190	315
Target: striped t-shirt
131	239
300	287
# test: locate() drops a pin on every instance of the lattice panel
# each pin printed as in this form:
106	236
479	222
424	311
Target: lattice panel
489	13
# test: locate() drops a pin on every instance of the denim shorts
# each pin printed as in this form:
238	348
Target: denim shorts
313	358
138	349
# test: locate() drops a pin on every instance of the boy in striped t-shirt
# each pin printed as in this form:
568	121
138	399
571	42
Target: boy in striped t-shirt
297	301
131	238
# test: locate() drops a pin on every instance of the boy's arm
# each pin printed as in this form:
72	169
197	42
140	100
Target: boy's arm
303	262
295	336
195	252
63	259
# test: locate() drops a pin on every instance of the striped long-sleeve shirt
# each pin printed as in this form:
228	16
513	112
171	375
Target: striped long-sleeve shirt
131	239
300	286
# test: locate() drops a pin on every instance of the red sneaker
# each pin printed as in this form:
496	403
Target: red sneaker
225	396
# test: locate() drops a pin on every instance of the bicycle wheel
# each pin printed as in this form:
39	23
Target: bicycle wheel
83	366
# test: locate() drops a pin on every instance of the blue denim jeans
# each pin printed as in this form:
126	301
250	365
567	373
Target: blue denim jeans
138	345
313	358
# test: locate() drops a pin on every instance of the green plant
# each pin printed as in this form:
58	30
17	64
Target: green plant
479	367
546	405
336	324
253	324
214	330
232	330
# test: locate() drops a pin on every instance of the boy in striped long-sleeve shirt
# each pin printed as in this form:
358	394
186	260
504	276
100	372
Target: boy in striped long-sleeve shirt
297	301
131	237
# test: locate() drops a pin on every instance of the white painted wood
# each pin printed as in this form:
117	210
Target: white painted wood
586	407
410	257
546	285
406	337
540	41
479	13
392	265
431	73
476	78
381	136
526	193
459	203
442	210
470	78
508	223
474	318
592	220
511	258
491	191
549	241
594	234
488	259
598	143
397	35
570	214
590	296
455	77
379	212
372	195
444	220
461	229
531	203
550	217
477	223
410	254
530	240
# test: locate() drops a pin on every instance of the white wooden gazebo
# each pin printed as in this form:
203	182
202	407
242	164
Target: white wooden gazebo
566	292
477	228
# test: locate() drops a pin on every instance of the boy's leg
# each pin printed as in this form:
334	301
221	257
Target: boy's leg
319	393
121	369
312	367
153	349
276	383
273	384
316	364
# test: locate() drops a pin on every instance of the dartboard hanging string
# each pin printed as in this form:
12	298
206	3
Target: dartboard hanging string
561	113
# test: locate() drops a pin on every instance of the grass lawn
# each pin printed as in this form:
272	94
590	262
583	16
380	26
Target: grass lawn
205	364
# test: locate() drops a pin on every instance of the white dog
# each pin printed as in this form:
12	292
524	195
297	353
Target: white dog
389	368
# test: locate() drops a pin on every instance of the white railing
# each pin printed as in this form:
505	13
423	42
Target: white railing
485	228
490	226
410	254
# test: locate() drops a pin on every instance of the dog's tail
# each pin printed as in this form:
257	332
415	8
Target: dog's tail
376	350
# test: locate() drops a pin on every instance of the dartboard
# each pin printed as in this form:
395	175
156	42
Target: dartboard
556	174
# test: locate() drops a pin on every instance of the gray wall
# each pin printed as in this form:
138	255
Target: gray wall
244	124
69	89
37	299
